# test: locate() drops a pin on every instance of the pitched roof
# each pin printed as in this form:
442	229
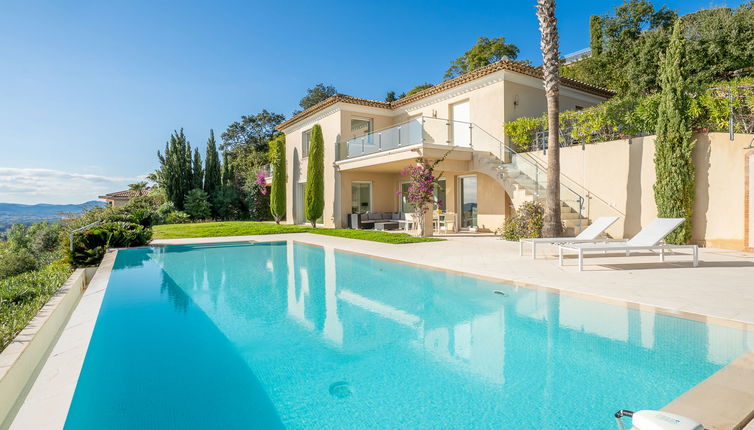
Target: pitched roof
126	194
513	66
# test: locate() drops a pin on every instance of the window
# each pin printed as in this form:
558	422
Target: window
361	197
305	137
361	126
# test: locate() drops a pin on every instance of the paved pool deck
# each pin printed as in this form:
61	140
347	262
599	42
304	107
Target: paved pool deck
719	290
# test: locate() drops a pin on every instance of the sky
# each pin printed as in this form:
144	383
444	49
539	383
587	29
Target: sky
91	90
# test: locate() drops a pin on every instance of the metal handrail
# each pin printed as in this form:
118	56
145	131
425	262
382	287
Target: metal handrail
72	232
537	163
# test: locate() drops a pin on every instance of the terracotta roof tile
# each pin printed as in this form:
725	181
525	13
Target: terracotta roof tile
513	66
126	194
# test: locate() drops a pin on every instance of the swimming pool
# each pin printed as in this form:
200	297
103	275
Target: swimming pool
288	335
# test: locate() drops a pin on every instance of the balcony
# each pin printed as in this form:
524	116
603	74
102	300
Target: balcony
420	130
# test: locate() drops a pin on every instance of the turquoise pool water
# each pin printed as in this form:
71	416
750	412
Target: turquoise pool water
276	335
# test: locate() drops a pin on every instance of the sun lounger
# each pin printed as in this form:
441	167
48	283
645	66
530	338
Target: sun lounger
590	234
648	239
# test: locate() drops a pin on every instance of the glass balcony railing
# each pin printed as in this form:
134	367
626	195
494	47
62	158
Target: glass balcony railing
415	131
404	134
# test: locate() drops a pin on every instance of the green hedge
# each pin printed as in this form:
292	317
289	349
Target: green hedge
620	118
22	296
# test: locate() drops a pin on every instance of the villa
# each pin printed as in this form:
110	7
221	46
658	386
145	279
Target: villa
121	198
368	143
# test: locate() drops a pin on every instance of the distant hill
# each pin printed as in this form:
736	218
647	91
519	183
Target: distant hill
15	213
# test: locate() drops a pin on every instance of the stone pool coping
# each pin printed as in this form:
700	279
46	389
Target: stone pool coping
725	400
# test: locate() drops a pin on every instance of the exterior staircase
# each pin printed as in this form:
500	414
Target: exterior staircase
525	180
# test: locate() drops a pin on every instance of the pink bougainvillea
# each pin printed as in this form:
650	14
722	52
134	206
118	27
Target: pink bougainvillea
421	187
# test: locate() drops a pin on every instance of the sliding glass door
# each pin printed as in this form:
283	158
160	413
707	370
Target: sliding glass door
361	197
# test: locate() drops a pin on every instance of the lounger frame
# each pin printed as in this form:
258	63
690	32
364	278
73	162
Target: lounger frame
628	249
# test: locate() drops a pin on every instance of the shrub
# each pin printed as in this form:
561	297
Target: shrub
258	197
90	245
197	204
45	237
144	217
522	131
22	296
225	203
16	262
177	217
526	222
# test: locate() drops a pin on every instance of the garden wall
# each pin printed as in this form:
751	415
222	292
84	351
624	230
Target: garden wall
622	175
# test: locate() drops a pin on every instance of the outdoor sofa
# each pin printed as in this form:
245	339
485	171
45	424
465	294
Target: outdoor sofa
368	221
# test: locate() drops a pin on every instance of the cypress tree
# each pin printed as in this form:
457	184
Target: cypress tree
674	166
212	178
175	168
595	35
315	177
198	173
277	191
229	176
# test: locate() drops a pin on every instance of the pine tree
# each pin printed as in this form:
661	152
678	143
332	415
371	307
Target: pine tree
595	35
315	177
674	166
212	175
175	168
277	191
198	173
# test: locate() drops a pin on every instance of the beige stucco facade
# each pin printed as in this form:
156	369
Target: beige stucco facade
620	177
466	118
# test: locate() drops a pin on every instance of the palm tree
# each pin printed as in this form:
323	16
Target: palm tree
548	26
139	187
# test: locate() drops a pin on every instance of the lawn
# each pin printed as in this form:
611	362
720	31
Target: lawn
245	228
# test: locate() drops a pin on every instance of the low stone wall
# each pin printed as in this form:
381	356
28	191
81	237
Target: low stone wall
22	359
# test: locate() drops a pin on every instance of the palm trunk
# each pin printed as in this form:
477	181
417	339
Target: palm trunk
552	225
551	79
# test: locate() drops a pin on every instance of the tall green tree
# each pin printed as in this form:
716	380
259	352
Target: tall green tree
252	132
416	89
674	166
197	177
212	172
277	188
175	173
229	174
486	51
548	27
595	35
316	94
314	194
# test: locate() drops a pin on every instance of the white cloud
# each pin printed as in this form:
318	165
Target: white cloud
56	186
